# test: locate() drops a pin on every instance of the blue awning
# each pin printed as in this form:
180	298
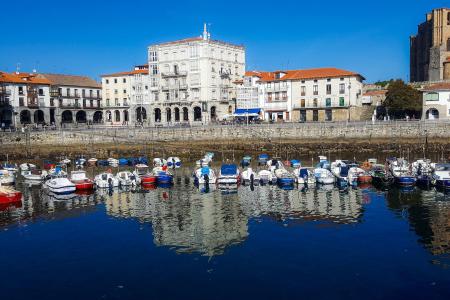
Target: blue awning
247	111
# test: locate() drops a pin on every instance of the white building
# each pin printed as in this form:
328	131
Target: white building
191	80
436	102
324	94
247	91
126	96
24	99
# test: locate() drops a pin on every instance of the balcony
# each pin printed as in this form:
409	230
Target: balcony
70	105
276	89
173	74
33	104
275	105
5	92
90	107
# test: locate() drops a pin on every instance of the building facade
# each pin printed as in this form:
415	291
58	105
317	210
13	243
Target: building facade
126	96
73	99
436	102
192	80
247	91
324	94
24	99
430	48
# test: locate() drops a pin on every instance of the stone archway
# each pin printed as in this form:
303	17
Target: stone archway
116	116
80	116
177	114
39	117
432	114
197	113
98	117
213	113
141	114
185	114
25	117
67	117
125	116
157	115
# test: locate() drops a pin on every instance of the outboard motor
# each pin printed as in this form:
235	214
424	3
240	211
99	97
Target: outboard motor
206	177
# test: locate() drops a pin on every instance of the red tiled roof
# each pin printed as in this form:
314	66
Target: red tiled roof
70	80
263	76
23	78
443	86
306	74
144	71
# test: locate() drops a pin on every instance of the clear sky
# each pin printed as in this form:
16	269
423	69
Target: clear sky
97	37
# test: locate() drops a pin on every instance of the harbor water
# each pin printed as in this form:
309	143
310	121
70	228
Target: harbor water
259	242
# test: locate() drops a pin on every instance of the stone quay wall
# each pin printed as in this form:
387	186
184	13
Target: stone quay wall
265	132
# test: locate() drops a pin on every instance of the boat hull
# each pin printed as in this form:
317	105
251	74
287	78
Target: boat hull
83	186
443	184
364	179
405	180
148	180
164	179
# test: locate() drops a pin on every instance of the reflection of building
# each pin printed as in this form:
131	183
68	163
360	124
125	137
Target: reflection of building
206	223
192	80
430	48
323	205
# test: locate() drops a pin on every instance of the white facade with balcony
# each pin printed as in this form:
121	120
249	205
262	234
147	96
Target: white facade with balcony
191	80
436	102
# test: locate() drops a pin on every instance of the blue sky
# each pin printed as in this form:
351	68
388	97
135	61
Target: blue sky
94	37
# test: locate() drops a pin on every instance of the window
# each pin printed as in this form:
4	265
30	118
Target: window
432	97
124	80
284	96
154	68
315	90
328	115
341	101
124	91
68	92
303	90
328	102
76	92
302	103
448	18
342	88
92	103
303	116
107	81
153	56
329	80
115	80
52	102
303	81
116	101
328	89
341	79
107	102
20	90
41	92
315	102
315	115
21	102
269	97
98	94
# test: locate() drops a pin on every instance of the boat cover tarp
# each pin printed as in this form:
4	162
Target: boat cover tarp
264	156
247	112
303	173
344	171
205	171
228	170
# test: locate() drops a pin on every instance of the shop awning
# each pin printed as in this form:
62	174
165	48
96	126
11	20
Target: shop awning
244	112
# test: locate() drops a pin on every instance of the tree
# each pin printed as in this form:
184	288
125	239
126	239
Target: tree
402	100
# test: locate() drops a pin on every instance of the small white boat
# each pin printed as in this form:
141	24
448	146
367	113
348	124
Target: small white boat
34	176
284	177
7	177
26	167
126	178
304	176
265	177
106	180
60	185
205	174
66	162
12	168
92	161
159	162
249	176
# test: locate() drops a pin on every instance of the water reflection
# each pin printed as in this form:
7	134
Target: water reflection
208	221
428	213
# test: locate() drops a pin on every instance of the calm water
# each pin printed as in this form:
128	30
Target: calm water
266	243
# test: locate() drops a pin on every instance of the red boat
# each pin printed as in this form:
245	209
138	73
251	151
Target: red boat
147	178
10	197
82	183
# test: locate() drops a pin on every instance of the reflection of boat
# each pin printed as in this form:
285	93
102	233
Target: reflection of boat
126	178
262	159
380	177
81	181
159	162
25	167
229	174
113	162
163	176
9	196
284	178
295	163
106	180
60	185
246	161
34	176
323	176
266	177
340	170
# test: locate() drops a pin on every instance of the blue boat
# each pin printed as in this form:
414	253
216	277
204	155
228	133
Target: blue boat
123	162
103	163
400	170
441	176
164	177
132	161
342	179
142	160
295	163
424	181
263	159
284	178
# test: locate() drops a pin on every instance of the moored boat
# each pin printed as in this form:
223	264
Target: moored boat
304	176
249	176
173	162
205	175
92	161
9	196
106	180
284	177
441	176
246	161
7	177
81	181
142	171
163	176
400	170
266	177
229	174
126	178
60	185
